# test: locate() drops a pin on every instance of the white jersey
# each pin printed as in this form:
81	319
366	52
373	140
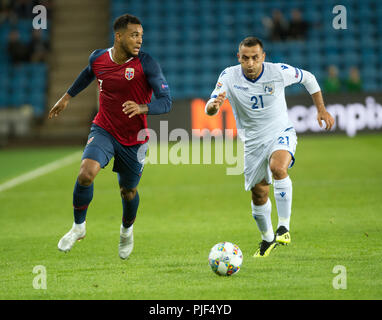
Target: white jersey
259	105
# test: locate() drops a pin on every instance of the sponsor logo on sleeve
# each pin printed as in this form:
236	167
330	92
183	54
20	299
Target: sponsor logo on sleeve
297	73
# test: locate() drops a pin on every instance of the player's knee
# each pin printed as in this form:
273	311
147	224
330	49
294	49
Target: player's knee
128	194
278	171
85	178
259	197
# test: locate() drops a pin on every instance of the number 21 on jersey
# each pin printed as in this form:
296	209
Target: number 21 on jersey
258	102
282	141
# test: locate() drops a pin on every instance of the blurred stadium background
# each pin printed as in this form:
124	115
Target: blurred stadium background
193	41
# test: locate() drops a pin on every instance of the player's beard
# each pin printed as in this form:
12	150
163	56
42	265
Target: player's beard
127	51
255	72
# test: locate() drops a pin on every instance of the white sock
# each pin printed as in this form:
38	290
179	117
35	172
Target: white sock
283	197
126	231
79	226
262	216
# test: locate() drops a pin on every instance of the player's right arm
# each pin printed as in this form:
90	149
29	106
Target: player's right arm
214	104
218	95
83	80
59	106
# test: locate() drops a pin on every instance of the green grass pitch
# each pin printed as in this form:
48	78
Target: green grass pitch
184	211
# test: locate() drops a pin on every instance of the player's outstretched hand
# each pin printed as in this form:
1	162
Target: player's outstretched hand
132	108
215	105
327	117
220	99
59	106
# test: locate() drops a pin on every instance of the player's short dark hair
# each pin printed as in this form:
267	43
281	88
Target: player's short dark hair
122	21
251	42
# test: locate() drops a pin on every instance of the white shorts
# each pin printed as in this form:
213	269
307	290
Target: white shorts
256	158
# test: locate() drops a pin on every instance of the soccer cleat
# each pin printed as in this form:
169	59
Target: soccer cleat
126	242
265	249
76	233
283	236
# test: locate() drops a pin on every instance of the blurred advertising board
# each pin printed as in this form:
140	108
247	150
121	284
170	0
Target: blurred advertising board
354	113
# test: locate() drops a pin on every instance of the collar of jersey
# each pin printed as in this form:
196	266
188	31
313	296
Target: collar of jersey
253	80
111	57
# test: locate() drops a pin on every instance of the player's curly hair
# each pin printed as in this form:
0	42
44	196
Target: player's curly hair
122	21
251	42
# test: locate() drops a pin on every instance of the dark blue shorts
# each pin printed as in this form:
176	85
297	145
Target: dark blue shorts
128	160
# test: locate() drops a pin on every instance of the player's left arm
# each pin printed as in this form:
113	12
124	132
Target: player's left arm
311	85
322	114
158	83
293	75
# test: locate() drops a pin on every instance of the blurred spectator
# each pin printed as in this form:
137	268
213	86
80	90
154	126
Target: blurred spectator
353	82
4	10
23	8
332	83
17	50
276	26
297	26
39	48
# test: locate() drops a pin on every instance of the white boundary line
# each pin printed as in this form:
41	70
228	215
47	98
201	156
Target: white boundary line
41	171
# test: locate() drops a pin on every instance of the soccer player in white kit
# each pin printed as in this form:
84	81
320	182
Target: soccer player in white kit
255	90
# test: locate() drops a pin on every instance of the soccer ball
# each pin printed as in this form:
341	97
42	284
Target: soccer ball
225	258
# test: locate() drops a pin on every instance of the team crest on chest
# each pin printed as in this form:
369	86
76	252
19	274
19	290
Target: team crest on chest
269	87
129	73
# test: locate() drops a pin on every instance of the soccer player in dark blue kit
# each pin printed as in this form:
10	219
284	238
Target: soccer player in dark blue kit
127	77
